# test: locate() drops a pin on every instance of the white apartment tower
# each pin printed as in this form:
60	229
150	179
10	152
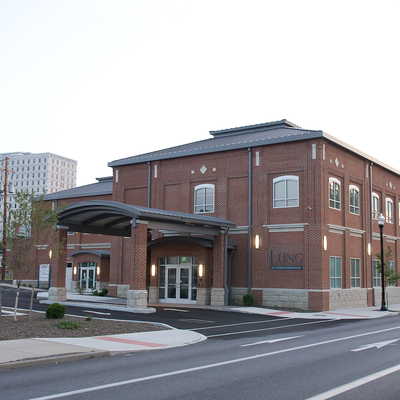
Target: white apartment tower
39	173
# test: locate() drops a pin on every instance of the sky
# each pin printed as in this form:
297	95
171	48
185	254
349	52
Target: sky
101	80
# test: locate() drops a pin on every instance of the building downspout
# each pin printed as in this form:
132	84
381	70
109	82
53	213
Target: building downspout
149	185
371	236
226	282
230	298
249	253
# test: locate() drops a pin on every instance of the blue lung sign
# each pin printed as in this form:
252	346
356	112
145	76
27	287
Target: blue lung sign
286	261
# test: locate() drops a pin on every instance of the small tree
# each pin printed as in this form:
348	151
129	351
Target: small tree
390	276
30	225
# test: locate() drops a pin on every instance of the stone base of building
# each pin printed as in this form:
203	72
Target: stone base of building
57	295
153	294
136	299
392	295
286	298
348	298
237	295
217	297
203	296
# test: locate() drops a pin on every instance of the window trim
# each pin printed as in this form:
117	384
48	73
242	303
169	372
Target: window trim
375	274
286	198
356	207
389	216
339	202
204	186
375	213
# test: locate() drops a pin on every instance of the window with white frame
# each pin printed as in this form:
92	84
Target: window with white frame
335	272
390	267
286	191
354	199
204	198
389	211
375	205
355	277
376	275
334	193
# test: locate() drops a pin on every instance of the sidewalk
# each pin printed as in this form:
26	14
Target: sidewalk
40	351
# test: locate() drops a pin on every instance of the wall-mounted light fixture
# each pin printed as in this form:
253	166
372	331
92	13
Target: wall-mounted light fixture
98	270
369	249
50	253
75	270
325	243
257	241
201	270
153	270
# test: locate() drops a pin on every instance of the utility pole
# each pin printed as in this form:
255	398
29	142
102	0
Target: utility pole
4	190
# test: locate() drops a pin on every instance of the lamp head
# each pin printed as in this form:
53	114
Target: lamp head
381	220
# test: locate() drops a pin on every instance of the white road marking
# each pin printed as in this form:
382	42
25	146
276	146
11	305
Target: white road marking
96	312
354	384
208	366
377	345
175	309
271	341
238	324
270	329
197	320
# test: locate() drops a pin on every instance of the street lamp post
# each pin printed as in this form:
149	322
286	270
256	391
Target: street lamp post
381	222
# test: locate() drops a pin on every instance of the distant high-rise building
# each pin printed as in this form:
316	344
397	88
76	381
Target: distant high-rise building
38	173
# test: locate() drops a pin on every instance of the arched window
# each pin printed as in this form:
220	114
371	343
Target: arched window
286	191
354	200
334	193
375	205
389	211
204	198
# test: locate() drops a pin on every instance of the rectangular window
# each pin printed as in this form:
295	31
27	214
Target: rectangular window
355	277
376	276
335	272
204	198
391	266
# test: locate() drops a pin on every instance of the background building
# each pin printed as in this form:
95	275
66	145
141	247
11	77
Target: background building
37	173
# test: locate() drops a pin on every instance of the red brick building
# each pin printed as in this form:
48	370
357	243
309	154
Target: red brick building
286	214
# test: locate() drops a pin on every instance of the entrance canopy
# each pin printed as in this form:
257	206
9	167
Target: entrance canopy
113	218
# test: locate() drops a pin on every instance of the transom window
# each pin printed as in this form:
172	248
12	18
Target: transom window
204	198
355	277
334	193
335	272
389	211
286	191
354	200
375	205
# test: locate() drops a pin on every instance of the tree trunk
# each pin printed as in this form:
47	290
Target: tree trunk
16	306
31	306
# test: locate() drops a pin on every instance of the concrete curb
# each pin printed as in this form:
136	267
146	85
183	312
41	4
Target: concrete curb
34	362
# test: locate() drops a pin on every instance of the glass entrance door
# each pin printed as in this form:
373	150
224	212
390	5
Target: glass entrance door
177	283
88	278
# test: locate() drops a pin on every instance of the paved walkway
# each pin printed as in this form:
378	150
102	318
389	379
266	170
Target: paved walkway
40	351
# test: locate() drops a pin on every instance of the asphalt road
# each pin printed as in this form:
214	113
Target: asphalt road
211	323
347	360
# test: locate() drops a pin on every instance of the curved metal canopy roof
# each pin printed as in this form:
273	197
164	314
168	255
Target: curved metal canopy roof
113	218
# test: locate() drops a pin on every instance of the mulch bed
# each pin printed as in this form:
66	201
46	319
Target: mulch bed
40	327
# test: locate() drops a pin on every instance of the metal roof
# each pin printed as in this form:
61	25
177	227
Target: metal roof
229	139
263	134
101	187
113	218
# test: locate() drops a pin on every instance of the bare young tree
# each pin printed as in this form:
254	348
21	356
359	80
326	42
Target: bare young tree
30	225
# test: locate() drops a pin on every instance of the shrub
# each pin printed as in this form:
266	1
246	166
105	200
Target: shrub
68	325
55	310
103	292
248	300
